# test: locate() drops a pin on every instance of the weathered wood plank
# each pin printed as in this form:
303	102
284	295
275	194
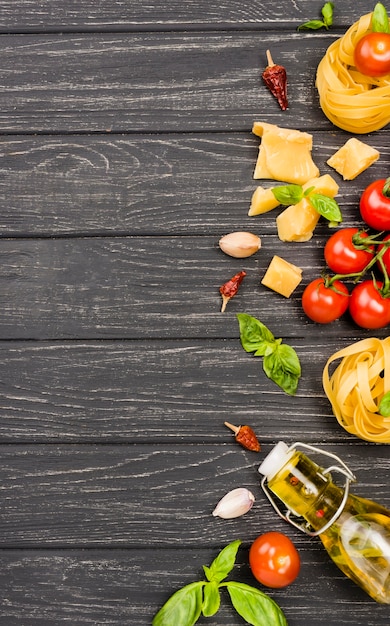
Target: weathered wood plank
158	392
128	586
155	82
199	184
148	495
148	288
114	15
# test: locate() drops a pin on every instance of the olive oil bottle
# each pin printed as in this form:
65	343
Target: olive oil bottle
355	531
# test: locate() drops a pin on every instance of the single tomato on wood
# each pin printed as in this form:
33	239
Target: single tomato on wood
368	307
375	204
324	304
274	560
372	54
341	254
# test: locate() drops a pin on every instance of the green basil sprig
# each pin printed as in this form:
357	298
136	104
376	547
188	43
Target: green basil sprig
327	19
384	405
280	361
187	604
325	206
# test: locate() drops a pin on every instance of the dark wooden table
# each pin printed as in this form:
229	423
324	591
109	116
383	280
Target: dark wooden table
126	152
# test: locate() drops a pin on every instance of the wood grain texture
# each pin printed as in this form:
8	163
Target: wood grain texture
155	392
166	184
126	152
116	15
143	82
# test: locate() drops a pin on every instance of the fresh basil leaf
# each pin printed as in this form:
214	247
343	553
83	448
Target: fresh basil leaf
184	607
283	368
380	19
384	405
255	337
312	25
327	13
224	562
288	194
211	599
327	207
254	606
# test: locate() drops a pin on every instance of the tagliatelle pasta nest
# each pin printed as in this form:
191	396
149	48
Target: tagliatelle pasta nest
357	385
351	100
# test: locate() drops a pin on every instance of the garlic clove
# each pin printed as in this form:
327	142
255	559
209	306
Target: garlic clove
235	503
240	244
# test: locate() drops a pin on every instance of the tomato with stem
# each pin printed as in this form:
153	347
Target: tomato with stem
368	305
274	560
375	204
324	301
346	253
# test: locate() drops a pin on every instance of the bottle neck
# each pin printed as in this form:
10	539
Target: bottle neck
306	491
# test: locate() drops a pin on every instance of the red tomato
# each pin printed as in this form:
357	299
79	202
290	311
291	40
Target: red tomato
375	204
341	255
372	54
368	308
324	304
386	256
274	560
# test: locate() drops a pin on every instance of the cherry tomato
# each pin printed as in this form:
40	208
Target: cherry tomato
324	304
341	255
368	308
274	560
372	54
375	204
385	257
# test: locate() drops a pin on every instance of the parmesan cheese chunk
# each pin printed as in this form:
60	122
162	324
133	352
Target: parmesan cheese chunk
297	222
284	154
353	158
282	276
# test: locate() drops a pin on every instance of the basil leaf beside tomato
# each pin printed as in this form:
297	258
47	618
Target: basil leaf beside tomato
380	19
211	599
254	606
223	563
184	607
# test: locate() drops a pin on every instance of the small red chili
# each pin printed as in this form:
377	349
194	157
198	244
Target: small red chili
229	289
245	436
275	77
320	513
294	481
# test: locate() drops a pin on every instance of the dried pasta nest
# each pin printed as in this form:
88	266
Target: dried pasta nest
357	385
349	99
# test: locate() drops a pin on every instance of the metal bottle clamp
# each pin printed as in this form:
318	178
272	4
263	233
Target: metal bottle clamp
342	469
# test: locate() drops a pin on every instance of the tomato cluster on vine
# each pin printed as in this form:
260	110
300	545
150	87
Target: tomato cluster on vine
350	253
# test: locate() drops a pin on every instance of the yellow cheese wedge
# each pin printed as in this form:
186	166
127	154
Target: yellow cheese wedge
297	222
284	154
353	158
263	200
282	276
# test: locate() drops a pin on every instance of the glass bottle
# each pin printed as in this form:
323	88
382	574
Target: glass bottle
355	531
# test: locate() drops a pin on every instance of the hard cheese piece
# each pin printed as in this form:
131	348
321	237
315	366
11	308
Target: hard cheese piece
353	158
282	276
263	200
297	222
284	154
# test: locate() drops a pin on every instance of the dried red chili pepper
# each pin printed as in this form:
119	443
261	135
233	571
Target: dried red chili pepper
229	289
245	436
275	77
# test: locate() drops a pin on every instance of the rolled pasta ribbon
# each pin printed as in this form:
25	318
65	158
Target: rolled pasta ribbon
349	99
357	385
